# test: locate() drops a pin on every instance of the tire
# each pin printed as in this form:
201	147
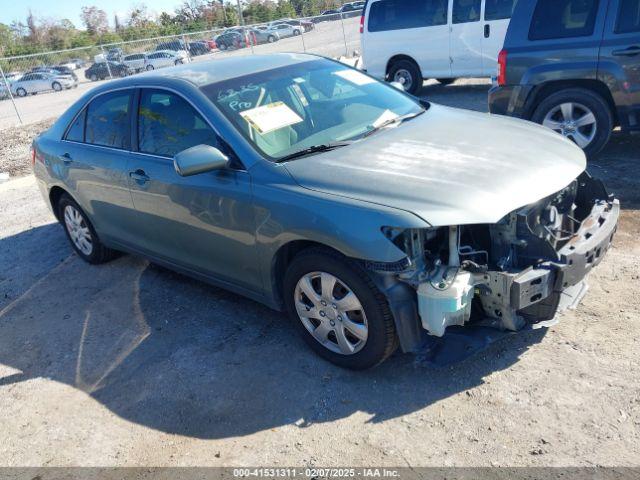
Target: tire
21	92
56	86
446	81
222	46
586	106
296	33
96	253
94	77
407	73
149	68
122	74
178	62
271	39
380	339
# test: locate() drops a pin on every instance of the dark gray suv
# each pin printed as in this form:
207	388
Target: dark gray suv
574	66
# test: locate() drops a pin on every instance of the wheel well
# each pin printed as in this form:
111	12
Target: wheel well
54	198
283	258
397	58
550	88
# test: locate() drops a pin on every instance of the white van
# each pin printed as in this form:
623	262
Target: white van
408	41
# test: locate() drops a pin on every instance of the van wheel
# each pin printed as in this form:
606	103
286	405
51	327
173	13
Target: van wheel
408	74
338	310
580	115
446	81
81	234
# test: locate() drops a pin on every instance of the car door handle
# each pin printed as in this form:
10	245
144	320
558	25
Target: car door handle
487	31
66	158
139	176
627	52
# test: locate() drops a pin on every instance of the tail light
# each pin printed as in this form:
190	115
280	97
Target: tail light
502	68
362	22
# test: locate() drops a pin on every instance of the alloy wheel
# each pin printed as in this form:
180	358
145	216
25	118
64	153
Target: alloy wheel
78	230
331	312
574	121
404	77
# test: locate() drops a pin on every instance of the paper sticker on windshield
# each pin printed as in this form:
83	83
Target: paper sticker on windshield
355	77
269	118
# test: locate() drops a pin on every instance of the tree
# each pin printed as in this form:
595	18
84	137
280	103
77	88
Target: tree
94	20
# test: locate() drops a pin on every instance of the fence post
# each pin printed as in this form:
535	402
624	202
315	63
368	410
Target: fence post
344	35
13	101
304	46
186	47
106	60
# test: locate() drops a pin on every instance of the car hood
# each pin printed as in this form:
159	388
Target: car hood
448	166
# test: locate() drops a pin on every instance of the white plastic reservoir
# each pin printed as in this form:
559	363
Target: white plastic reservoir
443	307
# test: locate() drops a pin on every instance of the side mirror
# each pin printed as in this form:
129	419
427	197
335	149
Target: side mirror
398	85
199	159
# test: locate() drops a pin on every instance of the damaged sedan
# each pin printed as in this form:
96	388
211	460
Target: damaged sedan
373	219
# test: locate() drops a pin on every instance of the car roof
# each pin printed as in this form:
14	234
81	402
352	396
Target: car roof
219	70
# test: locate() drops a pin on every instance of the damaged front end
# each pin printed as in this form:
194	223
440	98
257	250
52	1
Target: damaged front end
520	271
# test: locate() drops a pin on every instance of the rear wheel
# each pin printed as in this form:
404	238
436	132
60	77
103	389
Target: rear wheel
271	39
81	233
408	74
296	33
56	86
21	92
580	115
94	77
338	310
446	81
149	67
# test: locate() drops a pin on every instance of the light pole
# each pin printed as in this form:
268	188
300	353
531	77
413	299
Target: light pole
240	13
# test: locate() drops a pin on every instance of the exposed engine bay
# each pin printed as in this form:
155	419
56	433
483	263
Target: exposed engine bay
519	271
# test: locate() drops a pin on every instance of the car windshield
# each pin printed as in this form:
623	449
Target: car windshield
309	104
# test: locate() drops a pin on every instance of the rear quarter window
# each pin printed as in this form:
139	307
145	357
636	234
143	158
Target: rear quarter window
387	15
553	19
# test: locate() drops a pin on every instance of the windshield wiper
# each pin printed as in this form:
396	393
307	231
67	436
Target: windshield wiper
392	121
313	150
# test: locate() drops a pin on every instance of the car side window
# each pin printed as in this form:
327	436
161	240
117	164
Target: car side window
499	9
466	11
108	122
168	124
628	20
75	133
387	15
554	19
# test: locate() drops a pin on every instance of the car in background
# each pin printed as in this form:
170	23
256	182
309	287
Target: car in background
136	61
230	39
35	82
198	47
79	62
327	16
4	91
372	218
103	70
13	76
177	46
57	70
259	36
463	43
351	7
166	58
286	30
306	25
540	80
115	55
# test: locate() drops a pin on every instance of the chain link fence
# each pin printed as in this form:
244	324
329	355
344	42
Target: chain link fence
39	86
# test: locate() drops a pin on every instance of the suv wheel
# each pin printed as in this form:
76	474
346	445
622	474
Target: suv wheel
81	233
581	115
338	311
408	74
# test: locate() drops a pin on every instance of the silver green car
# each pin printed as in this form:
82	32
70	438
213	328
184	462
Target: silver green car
373	219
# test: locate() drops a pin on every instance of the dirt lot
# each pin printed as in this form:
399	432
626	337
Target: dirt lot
130	364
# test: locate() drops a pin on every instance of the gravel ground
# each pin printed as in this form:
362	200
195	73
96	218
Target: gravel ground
130	364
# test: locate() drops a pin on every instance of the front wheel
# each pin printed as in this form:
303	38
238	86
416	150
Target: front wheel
21	92
81	233
94	77
408	74
338	310
296	33
271	39
56	86
149	68
580	115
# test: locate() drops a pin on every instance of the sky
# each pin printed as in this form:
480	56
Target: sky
11	10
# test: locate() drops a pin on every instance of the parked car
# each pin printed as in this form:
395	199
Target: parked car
36	82
540	80
198	48
115	55
258	36
306	25
373	219
136	61
464	43
177	46
57	70
230	39
351	7
285	30
167	58
101	71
